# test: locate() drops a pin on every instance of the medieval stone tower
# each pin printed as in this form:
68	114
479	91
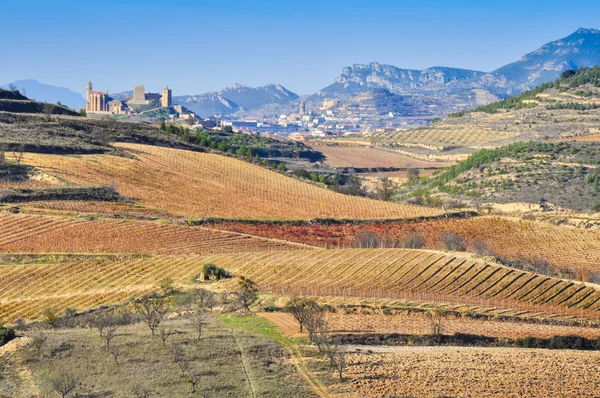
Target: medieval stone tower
165	99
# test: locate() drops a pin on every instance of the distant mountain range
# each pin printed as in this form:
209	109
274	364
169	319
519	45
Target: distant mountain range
47	93
236	98
434	91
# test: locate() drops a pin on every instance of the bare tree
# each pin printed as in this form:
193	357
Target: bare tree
141	392
193	377
19	153
436	326
39	340
115	352
63	382
414	240
317	328
164	334
454	241
302	309
337	355
199	322
109	333
151	310
180	358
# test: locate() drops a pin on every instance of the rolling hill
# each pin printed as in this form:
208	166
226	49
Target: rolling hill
47	93
187	183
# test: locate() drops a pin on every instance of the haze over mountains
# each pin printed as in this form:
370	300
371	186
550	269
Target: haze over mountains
434	91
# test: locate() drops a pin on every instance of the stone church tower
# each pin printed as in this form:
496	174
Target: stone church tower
165	99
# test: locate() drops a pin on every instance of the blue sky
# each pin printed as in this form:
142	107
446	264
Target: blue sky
202	45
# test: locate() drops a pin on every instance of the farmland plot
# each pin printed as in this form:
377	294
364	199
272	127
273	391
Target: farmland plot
201	184
49	234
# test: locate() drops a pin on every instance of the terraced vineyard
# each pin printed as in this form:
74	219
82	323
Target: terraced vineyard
563	247
202	184
88	282
446	136
48	234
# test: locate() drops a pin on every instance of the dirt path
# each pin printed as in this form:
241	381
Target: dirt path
288	327
246	372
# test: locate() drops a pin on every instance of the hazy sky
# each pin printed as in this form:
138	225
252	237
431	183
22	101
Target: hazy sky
198	46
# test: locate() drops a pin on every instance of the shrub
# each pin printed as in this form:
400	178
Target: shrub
414	240
454	241
211	271
6	334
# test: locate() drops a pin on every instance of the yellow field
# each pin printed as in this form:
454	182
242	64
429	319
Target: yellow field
378	273
443	135
201	184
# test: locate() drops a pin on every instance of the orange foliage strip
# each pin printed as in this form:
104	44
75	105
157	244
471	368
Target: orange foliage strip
51	234
561	246
203	184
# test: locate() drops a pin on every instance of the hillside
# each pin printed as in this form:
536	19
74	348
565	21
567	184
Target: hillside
88	282
197	184
14	101
48	93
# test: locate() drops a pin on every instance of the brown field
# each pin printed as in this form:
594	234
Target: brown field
201	184
583	138
361	156
475	372
442	136
414	323
562	246
51	234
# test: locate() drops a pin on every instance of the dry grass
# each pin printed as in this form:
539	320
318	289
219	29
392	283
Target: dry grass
200	184
475	372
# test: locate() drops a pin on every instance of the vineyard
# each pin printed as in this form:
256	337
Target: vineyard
563	247
442	136
410	274
48	234
189	183
87	282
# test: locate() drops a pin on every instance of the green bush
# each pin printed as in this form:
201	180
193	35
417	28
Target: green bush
6	334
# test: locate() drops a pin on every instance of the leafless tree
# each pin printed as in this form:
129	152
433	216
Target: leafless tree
180	358
193	376
317	329
199	322
115	352
38	341
164	334
109	334
454	241
19	153
141	392
337	355
63	382
151	310
414	240
436	325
